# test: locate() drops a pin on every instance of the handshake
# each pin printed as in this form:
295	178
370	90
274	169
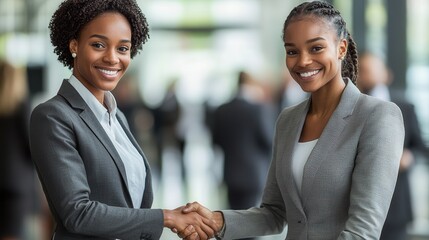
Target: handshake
193	221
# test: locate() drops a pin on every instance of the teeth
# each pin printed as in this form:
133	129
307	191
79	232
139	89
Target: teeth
108	72
309	74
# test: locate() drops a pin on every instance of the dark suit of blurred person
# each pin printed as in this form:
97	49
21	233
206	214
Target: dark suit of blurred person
17	176
373	80
243	129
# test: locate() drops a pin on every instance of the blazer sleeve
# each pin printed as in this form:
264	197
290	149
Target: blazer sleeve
376	168
62	172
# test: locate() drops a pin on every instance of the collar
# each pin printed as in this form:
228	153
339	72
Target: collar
98	109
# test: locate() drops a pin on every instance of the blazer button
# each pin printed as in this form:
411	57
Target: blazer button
299	221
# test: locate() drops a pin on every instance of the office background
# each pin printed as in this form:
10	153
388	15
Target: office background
200	45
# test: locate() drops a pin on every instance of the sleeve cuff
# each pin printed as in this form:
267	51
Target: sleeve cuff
221	233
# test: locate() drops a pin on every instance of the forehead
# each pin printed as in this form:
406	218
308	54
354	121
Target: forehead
108	22
306	28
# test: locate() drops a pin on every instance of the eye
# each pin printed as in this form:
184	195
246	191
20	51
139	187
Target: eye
123	49
97	45
317	49
291	52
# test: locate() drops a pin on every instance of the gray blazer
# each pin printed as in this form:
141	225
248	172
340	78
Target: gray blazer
83	176
348	180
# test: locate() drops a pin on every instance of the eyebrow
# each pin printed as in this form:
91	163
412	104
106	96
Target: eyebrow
308	41
105	38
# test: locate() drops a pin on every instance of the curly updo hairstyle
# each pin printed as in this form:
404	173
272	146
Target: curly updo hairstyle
328	12
72	15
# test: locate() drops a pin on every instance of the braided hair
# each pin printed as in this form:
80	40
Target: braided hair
72	15
349	66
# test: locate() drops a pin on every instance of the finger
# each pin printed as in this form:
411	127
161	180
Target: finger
212	224
201	234
193	236
174	230
208	230
189	230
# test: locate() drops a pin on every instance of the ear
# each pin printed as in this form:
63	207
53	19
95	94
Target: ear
73	45
342	48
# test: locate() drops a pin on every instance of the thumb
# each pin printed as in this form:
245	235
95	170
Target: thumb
190	207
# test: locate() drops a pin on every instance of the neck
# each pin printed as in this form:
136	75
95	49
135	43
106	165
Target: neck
324	101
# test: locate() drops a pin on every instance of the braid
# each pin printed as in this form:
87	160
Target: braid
332	15
350	64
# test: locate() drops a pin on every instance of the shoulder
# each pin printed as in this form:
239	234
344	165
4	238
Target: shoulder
373	105
55	108
57	103
379	116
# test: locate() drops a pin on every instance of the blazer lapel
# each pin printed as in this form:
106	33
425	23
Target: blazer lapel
291	134
333	129
76	101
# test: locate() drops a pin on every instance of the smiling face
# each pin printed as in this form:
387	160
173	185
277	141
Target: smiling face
313	53
102	53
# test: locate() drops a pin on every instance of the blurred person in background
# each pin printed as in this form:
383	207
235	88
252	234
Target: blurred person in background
95	176
18	188
168	133
243	129
374	79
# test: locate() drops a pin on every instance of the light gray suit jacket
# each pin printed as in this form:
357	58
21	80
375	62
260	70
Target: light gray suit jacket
348	179
83	176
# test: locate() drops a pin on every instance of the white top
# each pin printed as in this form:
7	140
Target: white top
300	156
132	159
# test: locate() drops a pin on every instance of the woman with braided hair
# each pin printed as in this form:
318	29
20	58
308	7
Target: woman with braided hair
336	155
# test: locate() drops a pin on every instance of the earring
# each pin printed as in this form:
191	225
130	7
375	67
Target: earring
74	55
342	58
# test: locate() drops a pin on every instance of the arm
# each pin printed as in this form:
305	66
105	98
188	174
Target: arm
375	173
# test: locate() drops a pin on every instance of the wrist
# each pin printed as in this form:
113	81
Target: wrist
168	218
219	219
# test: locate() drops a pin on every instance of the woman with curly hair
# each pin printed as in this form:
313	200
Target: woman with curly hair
336	155
95	176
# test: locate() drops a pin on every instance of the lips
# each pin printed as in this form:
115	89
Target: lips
308	74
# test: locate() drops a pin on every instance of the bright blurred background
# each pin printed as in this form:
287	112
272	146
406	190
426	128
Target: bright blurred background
196	48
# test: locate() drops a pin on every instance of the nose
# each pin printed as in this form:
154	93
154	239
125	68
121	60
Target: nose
304	59
111	57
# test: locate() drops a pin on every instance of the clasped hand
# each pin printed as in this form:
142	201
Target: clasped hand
193	221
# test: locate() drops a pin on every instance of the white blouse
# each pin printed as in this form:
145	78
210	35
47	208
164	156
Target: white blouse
299	158
133	162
